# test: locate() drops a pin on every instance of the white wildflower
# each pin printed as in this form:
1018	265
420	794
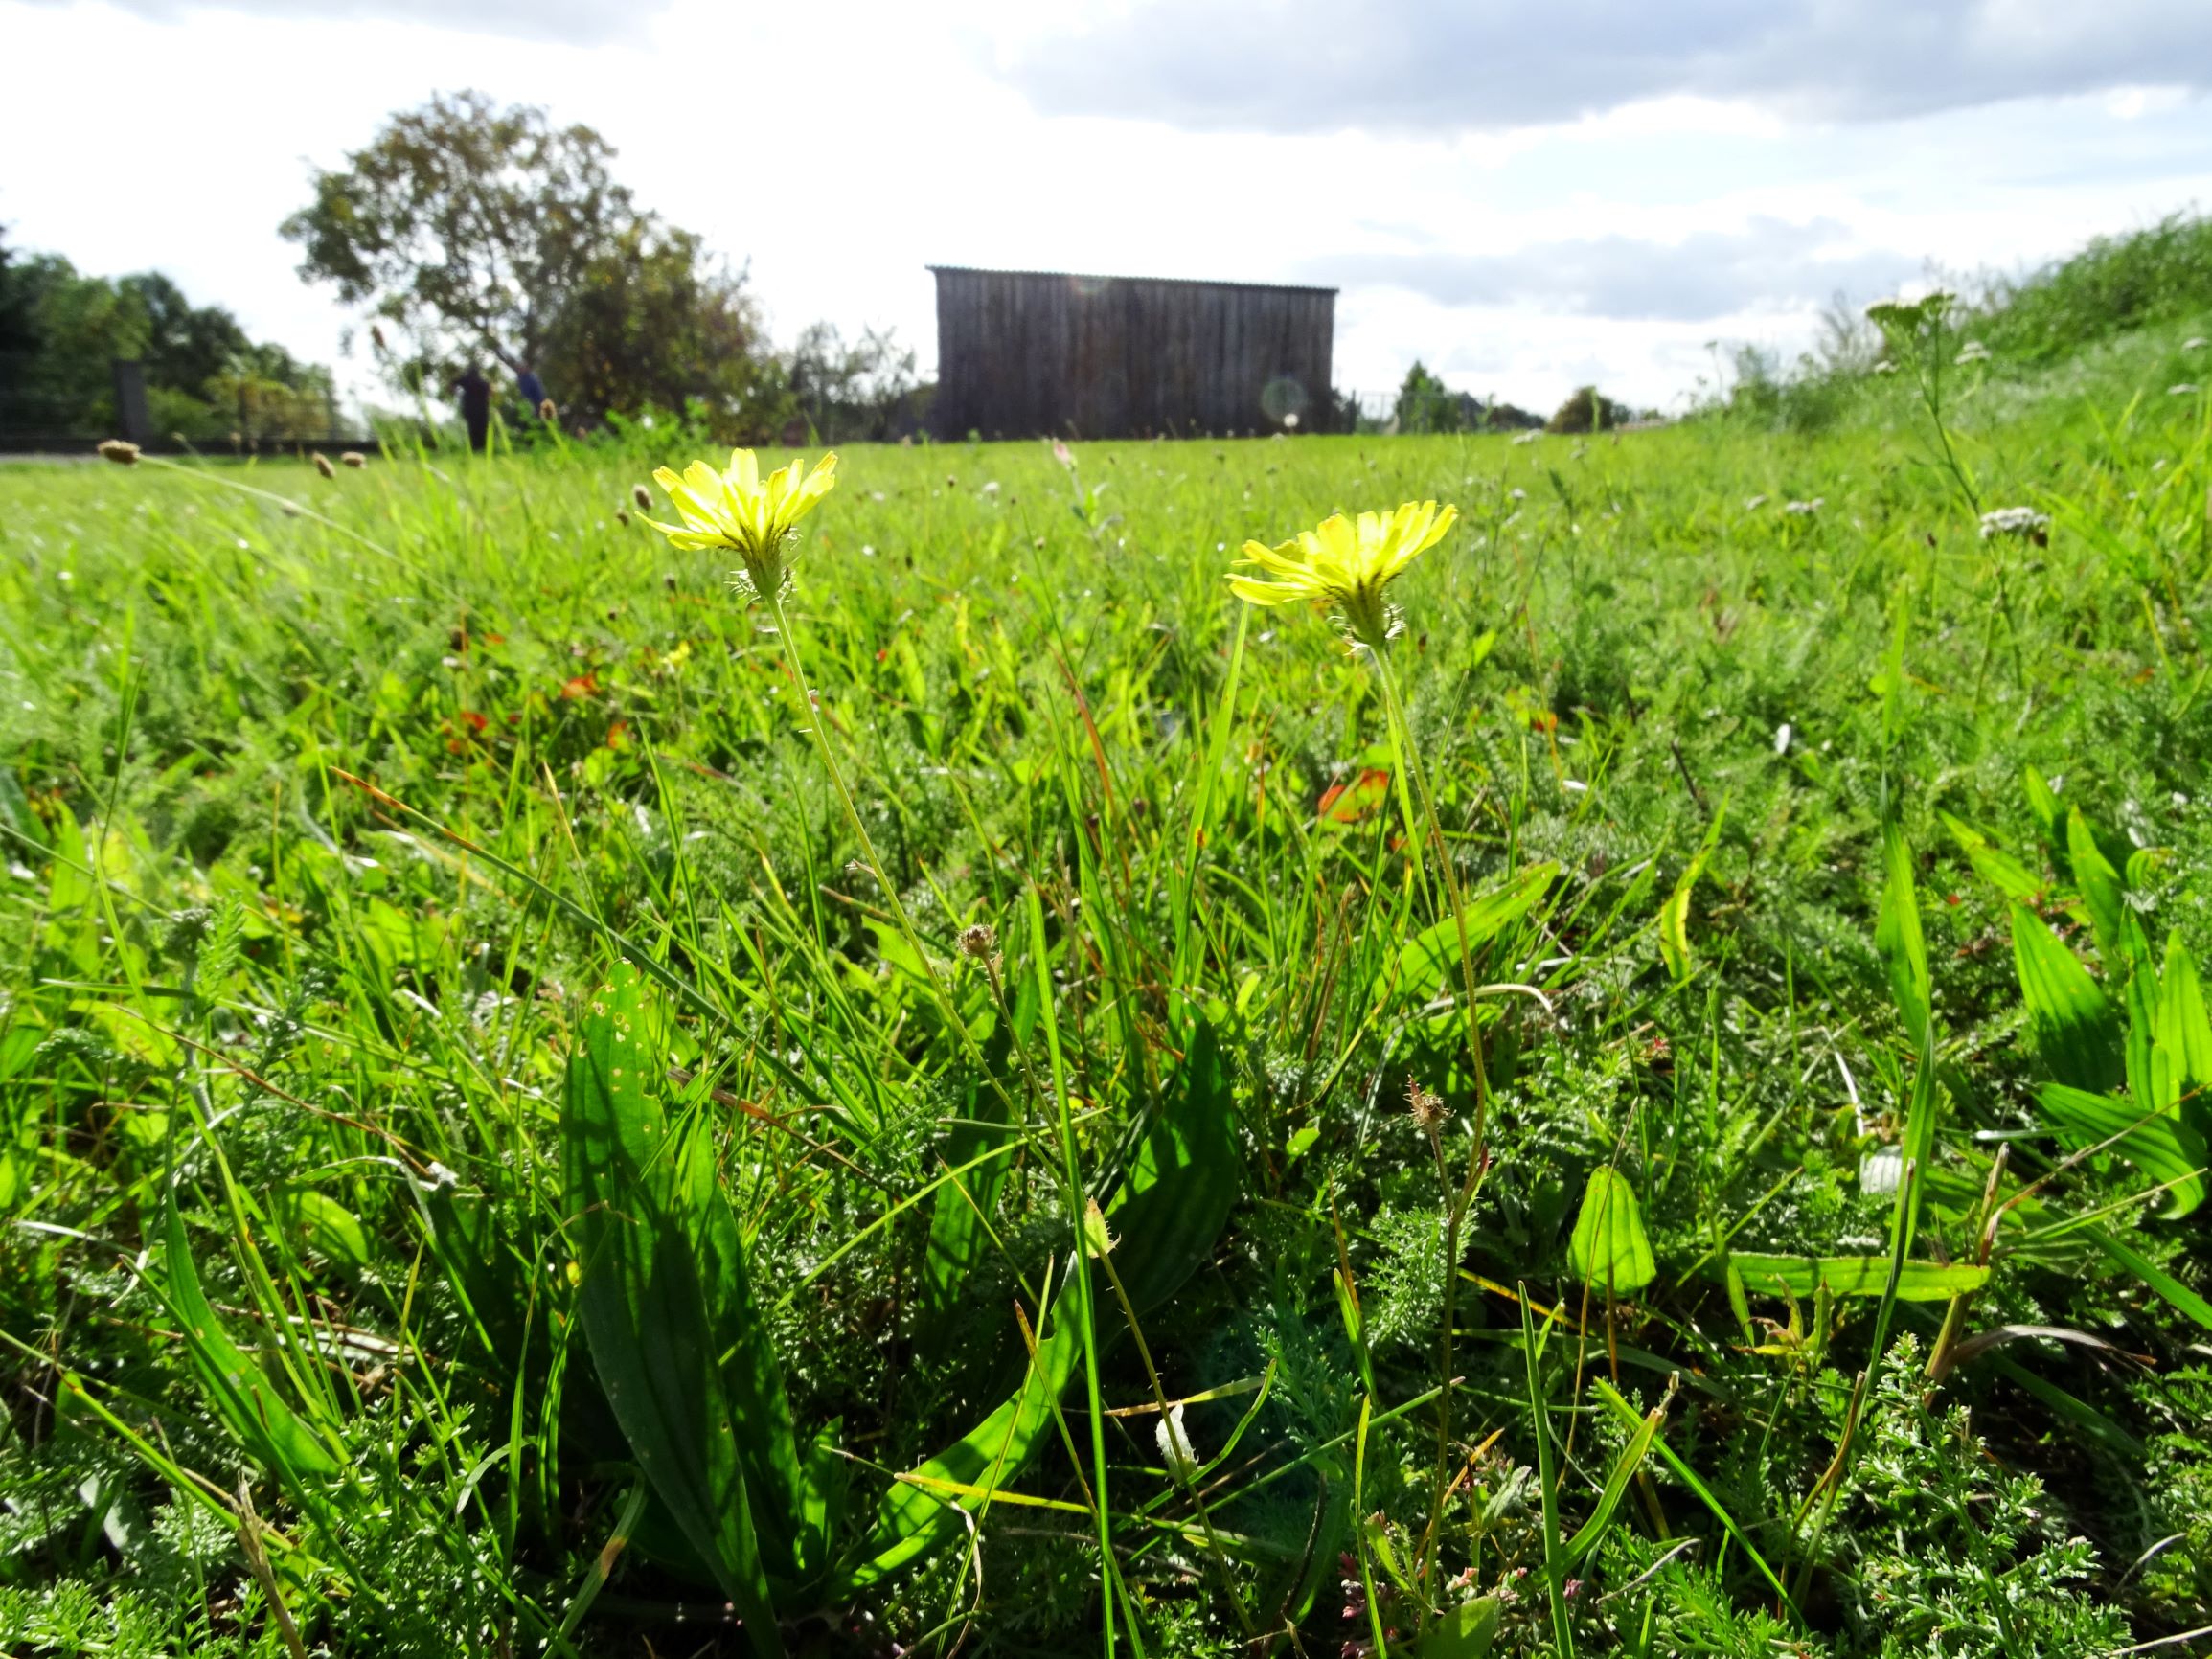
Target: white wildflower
1754	503
1782	735
2182	389
1974	352
2015	521
1805	509
1175	1445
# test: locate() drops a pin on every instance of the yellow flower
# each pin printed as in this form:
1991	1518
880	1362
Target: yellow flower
1347	565
751	517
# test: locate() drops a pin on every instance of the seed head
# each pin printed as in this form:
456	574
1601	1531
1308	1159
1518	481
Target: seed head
1427	1106
120	453
643	496
546	411
354	459
622	515
979	942
324	466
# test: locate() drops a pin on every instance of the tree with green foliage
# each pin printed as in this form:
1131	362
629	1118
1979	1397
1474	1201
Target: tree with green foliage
1425	404
655	323
851	392
1589	410
62	331
475	233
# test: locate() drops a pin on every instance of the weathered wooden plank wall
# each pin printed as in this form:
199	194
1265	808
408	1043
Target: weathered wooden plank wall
1030	354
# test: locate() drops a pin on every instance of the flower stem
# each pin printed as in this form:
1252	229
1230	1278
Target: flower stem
1456	1205
868	853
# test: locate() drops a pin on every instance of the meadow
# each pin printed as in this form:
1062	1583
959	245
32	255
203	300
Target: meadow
1684	1134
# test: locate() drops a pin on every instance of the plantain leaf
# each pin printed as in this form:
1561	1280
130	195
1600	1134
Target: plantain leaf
2103	895
2183	1029
1180	1187
2050	820
959	1237
1674	918
1182	1182
1857	1276
1609	1247
1468	1631
1428	963
642	1303
1991	862
752	1380
2071	1022
2161	1146
242	1394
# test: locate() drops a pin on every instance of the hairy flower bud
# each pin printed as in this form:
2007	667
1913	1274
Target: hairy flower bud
120	453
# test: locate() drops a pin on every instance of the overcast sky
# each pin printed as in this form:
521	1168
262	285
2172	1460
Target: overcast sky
1526	196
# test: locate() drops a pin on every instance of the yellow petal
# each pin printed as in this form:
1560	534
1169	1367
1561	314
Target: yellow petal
1263	592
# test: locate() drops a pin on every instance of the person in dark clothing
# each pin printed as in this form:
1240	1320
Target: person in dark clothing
533	390
475	405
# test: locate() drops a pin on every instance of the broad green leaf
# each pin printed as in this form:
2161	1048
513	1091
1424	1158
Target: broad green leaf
1183	1181
643	1308
1857	1276
1428	961
2162	1147
1675	916
242	1394
959	1239
2183	1029
2103	895
2072	1025
1610	1248
1991	862
752	1379
2154	1079
2050	820
326	1225
1468	1631
1180	1187
920	1509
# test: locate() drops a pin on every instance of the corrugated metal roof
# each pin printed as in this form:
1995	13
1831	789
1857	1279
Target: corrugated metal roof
1096	277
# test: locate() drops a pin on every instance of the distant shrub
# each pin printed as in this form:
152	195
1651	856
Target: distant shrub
1589	410
2113	284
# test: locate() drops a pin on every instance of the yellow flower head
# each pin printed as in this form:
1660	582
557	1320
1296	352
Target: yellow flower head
739	510
1347	565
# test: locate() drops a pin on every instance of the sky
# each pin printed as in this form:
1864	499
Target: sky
1526	197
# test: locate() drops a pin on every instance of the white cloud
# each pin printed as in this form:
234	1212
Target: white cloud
1419	66
841	148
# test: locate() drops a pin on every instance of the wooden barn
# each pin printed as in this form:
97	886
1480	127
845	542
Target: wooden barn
1046	353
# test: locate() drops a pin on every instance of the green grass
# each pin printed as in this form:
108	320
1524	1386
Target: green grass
387	1271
